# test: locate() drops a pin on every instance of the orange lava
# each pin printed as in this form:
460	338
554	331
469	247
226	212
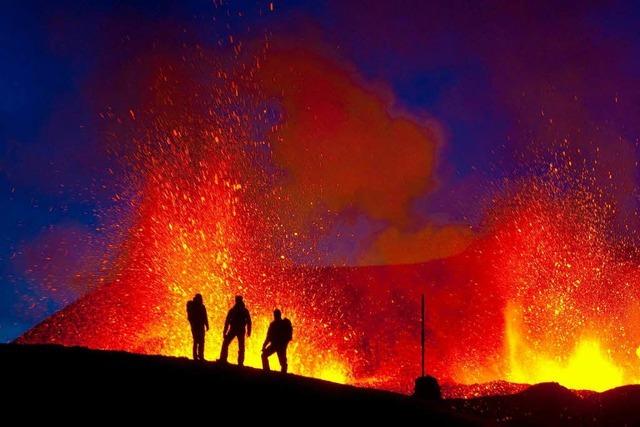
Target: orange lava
544	294
586	367
570	299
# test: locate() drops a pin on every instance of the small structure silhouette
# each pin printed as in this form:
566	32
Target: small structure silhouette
278	336
197	316
237	323
427	388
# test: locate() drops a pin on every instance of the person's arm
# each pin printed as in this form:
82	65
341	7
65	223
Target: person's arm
206	318
248	324
267	340
226	324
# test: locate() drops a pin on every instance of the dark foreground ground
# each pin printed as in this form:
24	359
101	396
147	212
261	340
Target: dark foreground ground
75	385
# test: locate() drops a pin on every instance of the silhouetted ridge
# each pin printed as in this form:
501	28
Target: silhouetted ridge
78	384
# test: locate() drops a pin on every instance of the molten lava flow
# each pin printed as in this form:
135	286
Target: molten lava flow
544	294
199	238
541	297
569	310
586	366
198	221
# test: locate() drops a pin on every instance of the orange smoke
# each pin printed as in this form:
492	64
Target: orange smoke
394	246
338	142
344	150
545	293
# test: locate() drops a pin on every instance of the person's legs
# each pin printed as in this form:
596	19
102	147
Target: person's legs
201	347
265	357
282	357
224	351
195	345
198	343
241	349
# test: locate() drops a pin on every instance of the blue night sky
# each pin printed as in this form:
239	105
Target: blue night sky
491	74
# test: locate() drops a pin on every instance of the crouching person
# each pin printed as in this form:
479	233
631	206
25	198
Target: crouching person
278	336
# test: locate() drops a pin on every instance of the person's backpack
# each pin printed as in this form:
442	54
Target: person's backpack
190	311
287	329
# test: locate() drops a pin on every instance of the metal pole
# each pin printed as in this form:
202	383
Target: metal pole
422	332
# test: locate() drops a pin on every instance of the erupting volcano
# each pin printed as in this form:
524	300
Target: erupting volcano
541	295
232	171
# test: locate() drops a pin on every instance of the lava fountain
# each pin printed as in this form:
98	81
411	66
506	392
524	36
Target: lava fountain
194	220
569	288
545	293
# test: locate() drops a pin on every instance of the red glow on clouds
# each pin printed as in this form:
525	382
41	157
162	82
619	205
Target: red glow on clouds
543	294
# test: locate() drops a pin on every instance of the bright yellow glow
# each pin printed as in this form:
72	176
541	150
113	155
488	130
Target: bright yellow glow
304	357
587	366
333	371
194	261
324	366
638	352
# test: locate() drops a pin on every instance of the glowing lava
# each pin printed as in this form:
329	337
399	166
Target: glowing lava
569	297
544	294
587	366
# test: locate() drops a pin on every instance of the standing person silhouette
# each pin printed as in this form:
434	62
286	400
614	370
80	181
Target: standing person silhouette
197	316
278	336
237	322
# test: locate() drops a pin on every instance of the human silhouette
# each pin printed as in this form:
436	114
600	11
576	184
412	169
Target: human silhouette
197	315
238	322
278	336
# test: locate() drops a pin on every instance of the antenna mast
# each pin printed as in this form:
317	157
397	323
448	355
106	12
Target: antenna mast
422	332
